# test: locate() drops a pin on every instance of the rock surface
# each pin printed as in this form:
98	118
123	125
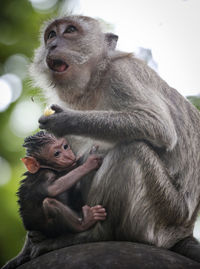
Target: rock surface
108	255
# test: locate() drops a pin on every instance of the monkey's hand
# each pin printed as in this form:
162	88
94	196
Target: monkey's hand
53	124
59	123
93	162
57	108
92	214
53	109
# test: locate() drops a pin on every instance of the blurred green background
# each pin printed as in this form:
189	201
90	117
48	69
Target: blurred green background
19	110
20	107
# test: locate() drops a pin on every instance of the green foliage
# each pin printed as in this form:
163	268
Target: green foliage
195	100
19	28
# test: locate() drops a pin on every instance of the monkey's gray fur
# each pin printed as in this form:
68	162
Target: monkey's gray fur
150	178
149	181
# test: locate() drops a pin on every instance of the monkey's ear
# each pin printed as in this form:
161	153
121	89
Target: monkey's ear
111	40
31	164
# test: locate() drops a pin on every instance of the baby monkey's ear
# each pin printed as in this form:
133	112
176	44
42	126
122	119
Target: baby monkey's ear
31	164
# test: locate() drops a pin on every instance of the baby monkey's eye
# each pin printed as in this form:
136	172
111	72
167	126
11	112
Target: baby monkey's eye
51	34
57	153
70	29
66	146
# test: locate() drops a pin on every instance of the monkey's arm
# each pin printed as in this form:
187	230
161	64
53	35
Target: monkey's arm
67	181
144	122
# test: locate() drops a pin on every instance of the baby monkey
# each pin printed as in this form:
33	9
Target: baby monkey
48	196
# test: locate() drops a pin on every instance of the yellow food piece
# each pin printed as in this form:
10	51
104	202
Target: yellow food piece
48	111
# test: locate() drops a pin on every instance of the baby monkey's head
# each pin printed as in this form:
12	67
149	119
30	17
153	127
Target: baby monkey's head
45	150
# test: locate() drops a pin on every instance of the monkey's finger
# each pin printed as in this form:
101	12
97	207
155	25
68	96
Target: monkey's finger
98	210
43	119
99	213
97	206
99	217
56	108
41	126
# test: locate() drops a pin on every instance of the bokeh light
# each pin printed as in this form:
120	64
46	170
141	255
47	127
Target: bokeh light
17	64
5	171
15	84
24	118
43	5
10	90
5	94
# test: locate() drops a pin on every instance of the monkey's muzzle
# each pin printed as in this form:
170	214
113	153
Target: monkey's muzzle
57	65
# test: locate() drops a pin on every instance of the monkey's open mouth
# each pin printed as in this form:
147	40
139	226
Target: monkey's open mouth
57	65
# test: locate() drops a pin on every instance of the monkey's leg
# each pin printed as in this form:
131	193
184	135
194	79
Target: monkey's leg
69	239
21	258
54	209
68	218
188	247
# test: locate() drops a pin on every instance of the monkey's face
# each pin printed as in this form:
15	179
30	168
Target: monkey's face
74	52
59	154
65	51
71	48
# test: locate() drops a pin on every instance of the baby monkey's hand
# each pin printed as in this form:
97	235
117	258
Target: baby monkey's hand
93	162
92	214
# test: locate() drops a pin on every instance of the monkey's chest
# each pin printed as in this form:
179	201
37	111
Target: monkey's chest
82	145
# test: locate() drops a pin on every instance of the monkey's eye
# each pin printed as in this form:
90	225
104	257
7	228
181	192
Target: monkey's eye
57	153
70	29
66	146
51	34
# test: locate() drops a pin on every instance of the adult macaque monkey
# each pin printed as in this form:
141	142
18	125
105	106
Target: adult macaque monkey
150	175
149	181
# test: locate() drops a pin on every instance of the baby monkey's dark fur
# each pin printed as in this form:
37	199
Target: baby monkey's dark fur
47	196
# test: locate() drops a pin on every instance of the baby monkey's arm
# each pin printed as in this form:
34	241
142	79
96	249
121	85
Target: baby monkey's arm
67	181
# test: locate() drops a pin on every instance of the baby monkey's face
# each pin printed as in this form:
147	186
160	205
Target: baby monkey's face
58	154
